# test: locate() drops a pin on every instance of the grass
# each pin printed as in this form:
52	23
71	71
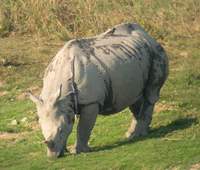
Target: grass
27	47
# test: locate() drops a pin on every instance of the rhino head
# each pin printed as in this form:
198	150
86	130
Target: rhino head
56	123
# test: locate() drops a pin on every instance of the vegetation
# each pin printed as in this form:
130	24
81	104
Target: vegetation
75	18
31	33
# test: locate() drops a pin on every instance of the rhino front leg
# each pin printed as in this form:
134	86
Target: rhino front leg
142	115
86	123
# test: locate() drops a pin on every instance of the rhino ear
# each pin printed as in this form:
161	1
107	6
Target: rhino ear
57	95
35	99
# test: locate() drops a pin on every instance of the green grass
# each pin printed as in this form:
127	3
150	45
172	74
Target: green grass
174	139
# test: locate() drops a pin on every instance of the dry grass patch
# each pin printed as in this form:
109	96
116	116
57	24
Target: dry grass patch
12	136
195	166
3	93
161	107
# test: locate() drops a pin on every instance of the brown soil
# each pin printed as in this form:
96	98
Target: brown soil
195	167
160	107
11	136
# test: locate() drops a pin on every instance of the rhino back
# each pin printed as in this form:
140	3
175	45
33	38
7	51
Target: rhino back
111	70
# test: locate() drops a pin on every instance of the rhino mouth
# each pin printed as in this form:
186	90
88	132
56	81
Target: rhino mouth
61	153
53	153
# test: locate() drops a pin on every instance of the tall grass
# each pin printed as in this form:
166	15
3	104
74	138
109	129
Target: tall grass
74	18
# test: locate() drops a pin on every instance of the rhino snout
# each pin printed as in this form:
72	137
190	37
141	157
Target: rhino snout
54	154
53	151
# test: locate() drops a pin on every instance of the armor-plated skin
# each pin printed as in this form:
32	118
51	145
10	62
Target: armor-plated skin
123	67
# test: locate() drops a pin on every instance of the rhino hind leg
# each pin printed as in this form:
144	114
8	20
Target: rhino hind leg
143	108
86	123
142	115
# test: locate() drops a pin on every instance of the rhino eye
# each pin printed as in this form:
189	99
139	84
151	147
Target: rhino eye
50	144
60	129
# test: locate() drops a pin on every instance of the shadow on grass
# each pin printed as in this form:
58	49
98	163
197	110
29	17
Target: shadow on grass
159	132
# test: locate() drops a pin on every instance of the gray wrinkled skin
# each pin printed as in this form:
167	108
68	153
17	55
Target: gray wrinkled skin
123	67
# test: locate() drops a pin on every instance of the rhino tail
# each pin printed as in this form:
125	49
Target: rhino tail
157	75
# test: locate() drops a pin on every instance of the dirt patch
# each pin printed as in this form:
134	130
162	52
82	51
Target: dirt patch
11	136
1	83
21	96
195	167
175	168
160	107
3	93
184	54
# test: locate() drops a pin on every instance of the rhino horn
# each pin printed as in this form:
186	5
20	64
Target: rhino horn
57	95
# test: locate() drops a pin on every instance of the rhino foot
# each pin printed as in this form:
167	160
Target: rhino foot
77	149
133	135
140	130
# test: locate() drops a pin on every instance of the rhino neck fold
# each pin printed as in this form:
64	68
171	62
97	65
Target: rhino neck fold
60	72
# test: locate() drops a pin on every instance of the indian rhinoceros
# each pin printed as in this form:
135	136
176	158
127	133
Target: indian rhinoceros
123	67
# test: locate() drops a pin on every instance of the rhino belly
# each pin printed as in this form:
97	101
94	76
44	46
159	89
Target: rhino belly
127	84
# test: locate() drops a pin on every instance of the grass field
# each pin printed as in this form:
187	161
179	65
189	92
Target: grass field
27	46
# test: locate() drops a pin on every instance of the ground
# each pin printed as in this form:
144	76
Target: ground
174	139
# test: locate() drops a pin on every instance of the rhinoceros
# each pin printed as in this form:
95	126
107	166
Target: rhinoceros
122	67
